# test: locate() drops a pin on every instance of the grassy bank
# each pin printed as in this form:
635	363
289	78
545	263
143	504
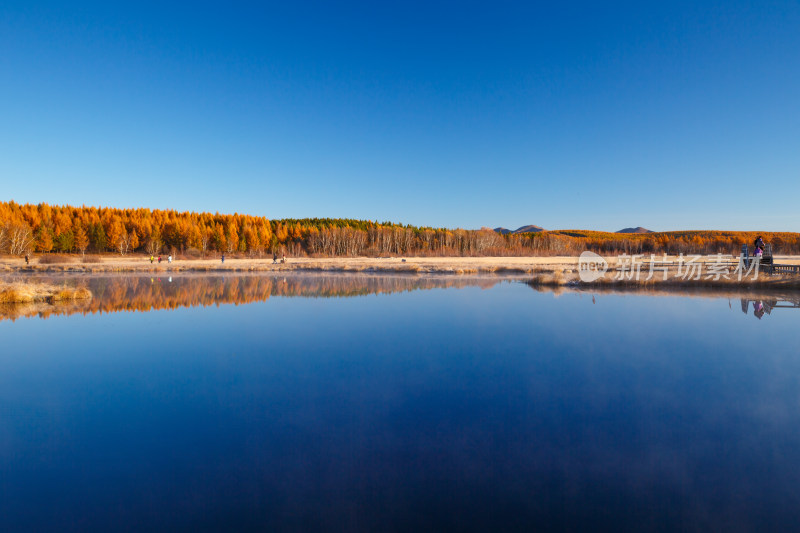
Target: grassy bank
16	293
570	278
406	265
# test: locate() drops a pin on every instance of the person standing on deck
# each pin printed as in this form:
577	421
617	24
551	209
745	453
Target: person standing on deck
759	246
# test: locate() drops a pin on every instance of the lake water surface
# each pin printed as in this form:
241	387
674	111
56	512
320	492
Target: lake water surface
369	403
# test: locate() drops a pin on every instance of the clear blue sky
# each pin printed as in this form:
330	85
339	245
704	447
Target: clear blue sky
597	115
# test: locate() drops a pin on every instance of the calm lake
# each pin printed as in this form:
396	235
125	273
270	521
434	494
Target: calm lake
397	403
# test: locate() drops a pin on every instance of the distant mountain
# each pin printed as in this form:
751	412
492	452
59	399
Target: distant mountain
635	230
530	228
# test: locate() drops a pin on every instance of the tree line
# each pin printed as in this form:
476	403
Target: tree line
43	228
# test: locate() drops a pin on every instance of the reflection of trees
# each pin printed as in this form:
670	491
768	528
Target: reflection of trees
42	309
144	293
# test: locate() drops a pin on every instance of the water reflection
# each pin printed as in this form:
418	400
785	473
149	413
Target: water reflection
147	293
469	410
116	293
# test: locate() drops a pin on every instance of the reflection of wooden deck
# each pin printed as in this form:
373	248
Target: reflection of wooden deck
788	305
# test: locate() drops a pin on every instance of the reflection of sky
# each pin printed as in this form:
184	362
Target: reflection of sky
457	409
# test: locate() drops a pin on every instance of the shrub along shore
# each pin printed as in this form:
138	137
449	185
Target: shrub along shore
33	292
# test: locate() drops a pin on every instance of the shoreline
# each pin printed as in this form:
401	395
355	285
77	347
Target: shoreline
541	271
448	265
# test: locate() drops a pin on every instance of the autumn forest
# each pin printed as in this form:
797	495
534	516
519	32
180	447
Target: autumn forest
43	228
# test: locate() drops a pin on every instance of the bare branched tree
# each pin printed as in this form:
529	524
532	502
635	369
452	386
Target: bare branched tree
19	238
153	245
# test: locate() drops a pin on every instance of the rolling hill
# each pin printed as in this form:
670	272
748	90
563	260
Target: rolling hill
530	228
638	229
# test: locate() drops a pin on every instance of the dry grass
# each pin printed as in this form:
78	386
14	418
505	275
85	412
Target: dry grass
91	259
40	292
51	259
552	278
544	270
561	277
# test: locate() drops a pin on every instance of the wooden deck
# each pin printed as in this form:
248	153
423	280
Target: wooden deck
782	269
767	264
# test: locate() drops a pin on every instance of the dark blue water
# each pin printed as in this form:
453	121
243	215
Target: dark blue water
468	409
